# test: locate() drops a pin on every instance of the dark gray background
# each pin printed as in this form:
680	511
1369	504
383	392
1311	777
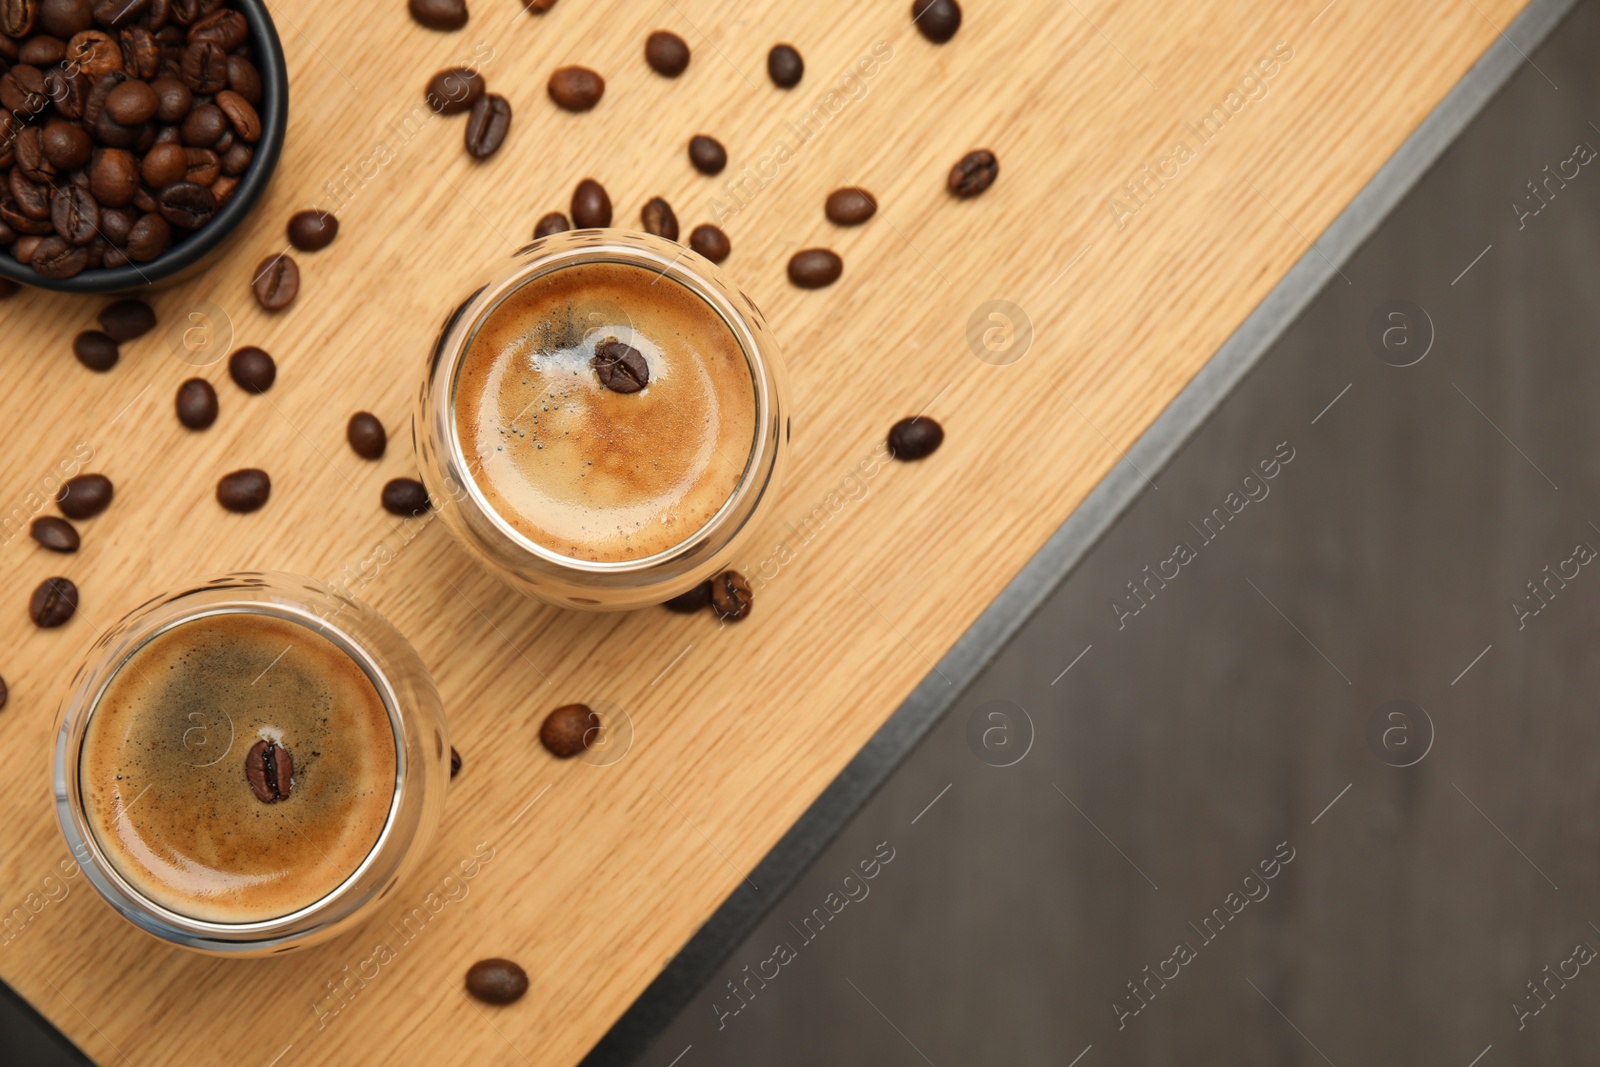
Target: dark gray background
1227	716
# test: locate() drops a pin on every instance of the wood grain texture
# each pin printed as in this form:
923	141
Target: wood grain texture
597	884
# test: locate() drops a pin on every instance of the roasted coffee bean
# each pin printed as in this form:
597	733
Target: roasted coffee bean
85	496
65	145
42	52
202	167
113	177
115	14
58	535
197	404
915	438
32	198
95	53
164	164
405	497
204	126
22	90
455	757
937	20
815	268
850	206
31	159
186	204
55	258
498	981
444	15
621	368
269	769
25	247
204	67
223	188
576	88
141	52
696	599
667	53
555	222
5	694
97	249
591	207
95	350
108	131
244	79
277	282
975	173
132	103
710	242
366	435
126	319
17	17
244	119
68	91
731	598
252	370
63	18
94	105
115	224
569	730
785	67
659	219
150	237
75	214
707	154
312	231
244	491
454	90
53	603
174	100
538	7
236	160
188	12
488	125
224	26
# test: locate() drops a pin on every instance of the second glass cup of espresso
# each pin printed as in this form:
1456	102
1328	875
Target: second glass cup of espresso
603	423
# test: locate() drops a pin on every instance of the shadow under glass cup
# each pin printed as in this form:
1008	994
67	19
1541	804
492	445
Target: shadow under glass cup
581	494
248	765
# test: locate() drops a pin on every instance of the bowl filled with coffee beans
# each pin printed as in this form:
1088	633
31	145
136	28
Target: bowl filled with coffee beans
135	135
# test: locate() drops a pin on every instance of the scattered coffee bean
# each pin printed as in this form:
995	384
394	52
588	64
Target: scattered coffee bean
85	496
405	497
538	7
622	369
498	981
785	67
731	598
591	206
197	404
252	370
455	762
975	173
850	207
54	602
707	154
667	53
127	319
938	20
244	491
444	15
710	242
454	90
576	88
553	223
277	282
312	231
659	219
487	126
366	435
815	268
5	694
569	730
915	438
58	535
269	769
696	599
95	350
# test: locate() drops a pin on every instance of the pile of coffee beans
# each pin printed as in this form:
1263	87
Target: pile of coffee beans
124	127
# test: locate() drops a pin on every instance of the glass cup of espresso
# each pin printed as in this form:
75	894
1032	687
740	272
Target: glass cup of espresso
247	765
603	423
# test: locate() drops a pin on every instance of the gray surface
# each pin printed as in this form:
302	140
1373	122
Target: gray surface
1233	709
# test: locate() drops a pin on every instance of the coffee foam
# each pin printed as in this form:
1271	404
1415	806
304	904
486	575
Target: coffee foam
581	470
162	770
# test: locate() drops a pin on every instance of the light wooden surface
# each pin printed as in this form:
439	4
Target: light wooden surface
596	885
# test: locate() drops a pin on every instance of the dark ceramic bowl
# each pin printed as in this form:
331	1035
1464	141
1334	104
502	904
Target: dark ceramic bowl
190	254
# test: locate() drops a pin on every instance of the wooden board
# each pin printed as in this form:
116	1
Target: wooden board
596	884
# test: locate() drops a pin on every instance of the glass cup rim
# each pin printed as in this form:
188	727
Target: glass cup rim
636	250
71	745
